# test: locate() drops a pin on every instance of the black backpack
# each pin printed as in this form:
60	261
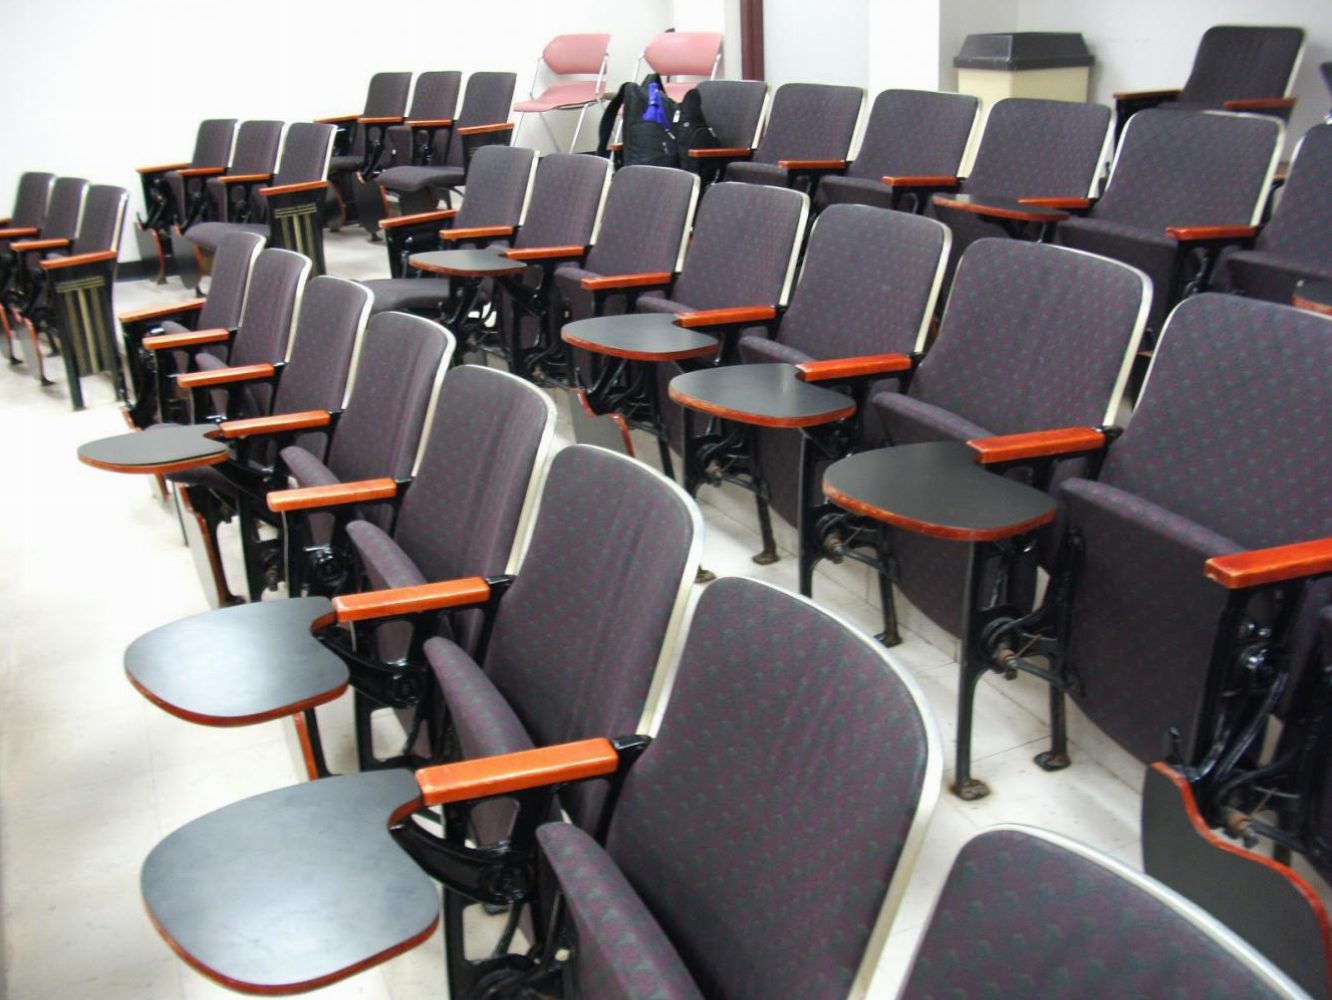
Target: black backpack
647	142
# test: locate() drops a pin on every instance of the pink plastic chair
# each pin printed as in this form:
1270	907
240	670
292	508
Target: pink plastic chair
695	54
568	55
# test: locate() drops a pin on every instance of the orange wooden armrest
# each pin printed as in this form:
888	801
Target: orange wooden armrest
728	152
224	376
79	258
336	119
725	317
332	495
1029	213
922	180
429	122
475	232
1261	566
545	253
300	188
189	171
411	600
9	234
379	120
485	129
507	773
1190	233
26	245
193	338
1057	201
616	147
245	178
1259	104
162	168
812	164
420	218
1145	95
1036	444
193	305
869	364
278	423
607	281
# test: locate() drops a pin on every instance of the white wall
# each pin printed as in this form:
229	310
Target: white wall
95	88
1149	44
822	43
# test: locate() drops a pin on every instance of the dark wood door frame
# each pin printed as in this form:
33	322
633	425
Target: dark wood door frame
751	39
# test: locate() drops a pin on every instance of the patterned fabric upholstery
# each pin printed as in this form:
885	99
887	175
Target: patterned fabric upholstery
641	231
1297	242
435	97
1033	338
1235	62
386	97
1176	169
265	327
1231	377
787	739
460	516
332	316
732	109
1021	915
622	951
34	192
256	152
212	148
486	101
577	638
1030	148
866	287
909	133
62	215
304	153
103	214
739	255
809	121
230	281
496	193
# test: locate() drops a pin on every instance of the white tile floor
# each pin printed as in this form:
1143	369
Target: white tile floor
92	776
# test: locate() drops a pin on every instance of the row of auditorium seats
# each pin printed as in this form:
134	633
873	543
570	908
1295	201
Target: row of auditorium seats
1028	364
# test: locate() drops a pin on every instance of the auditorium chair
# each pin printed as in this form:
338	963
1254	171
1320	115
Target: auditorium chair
1183	185
164	197
808	133
1236	68
1296	243
358	147
222	194
858	320
446	146
1028	913
910	134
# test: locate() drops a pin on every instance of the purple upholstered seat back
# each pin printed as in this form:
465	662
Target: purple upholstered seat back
868	284
740	252
331	321
266	325
1301	225
230	280
810	121
578	637
915	133
103	216
257	144
1034	915
1034	147
30	201
777	797
497	184
393	387
487	100
1199	168
733	109
305	153
212	143
567	196
461	514
65	208
1234	62
644	222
